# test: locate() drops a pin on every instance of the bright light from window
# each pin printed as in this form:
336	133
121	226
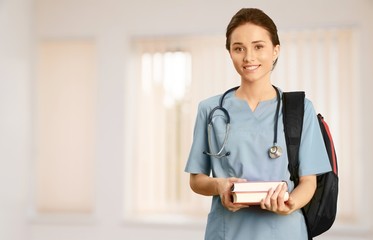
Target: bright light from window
176	74
169	71
146	73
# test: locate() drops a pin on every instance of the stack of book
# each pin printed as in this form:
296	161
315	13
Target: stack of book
253	192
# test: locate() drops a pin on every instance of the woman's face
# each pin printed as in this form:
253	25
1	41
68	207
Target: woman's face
252	52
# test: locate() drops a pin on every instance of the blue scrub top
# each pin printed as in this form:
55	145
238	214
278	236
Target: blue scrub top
251	135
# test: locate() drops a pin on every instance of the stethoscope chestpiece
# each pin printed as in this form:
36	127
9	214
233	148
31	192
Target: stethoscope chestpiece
275	152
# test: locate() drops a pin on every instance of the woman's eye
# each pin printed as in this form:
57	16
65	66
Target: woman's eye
258	47
239	49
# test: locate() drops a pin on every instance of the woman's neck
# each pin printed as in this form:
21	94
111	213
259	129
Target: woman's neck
255	92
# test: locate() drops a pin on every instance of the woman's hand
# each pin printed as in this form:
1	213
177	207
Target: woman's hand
275	201
224	187
298	198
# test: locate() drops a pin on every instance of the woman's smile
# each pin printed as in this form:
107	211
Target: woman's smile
251	68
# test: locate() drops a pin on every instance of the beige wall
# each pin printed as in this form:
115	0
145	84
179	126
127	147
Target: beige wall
113	23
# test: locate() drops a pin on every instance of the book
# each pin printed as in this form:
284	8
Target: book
253	192
255	186
251	198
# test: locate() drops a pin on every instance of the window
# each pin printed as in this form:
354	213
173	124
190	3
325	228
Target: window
166	100
165	80
175	74
164	133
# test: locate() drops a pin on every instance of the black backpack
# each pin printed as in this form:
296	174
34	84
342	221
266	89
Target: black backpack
321	211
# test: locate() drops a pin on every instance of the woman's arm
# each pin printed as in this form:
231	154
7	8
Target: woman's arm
303	193
298	198
208	186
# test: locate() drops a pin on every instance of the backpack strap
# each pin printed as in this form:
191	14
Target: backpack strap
293	112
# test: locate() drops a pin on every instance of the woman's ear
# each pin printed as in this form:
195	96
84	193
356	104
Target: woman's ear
276	52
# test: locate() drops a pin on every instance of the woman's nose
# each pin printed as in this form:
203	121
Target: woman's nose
249	56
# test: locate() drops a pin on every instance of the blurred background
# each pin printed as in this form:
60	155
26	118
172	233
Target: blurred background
98	101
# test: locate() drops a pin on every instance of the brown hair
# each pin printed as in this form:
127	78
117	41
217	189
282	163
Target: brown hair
256	17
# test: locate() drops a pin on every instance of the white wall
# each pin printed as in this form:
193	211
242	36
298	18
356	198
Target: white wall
113	23
15	117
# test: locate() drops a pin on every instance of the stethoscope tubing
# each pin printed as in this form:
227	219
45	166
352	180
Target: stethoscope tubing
274	151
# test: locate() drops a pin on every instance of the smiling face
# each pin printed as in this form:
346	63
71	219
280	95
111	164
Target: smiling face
252	52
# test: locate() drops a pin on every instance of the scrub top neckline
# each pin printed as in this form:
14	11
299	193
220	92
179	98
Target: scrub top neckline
260	103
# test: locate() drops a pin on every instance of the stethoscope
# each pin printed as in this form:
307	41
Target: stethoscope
273	152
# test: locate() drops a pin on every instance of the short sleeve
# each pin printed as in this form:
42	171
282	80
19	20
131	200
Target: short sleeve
198	162
313	158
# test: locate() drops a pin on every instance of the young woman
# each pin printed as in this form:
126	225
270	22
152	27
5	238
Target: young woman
222	155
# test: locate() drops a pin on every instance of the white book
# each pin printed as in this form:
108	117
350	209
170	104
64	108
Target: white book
255	186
